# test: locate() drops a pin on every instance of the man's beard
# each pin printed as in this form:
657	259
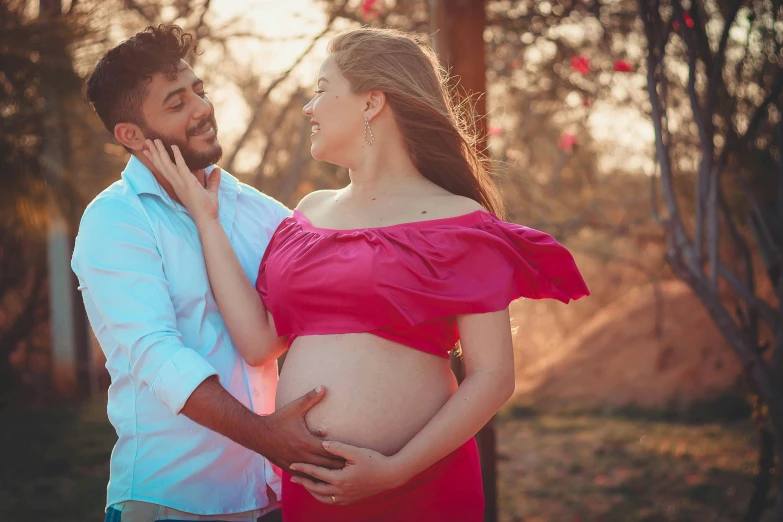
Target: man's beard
195	160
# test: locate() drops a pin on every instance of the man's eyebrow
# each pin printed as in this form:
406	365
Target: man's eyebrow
180	91
172	94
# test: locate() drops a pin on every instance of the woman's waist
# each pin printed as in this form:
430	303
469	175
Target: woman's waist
378	393
436	337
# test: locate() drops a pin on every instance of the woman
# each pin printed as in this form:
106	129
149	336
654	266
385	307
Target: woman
372	285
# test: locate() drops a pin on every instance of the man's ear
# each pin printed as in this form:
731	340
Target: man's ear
130	135
376	100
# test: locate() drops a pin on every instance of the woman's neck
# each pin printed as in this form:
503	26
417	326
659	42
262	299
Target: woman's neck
382	170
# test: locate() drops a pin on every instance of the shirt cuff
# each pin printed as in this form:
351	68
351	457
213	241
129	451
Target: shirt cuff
177	379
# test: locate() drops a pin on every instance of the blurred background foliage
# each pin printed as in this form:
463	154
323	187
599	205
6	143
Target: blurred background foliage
573	149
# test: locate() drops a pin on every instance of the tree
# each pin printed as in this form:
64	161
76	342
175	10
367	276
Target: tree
732	82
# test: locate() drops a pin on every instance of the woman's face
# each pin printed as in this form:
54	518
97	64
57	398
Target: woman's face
337	117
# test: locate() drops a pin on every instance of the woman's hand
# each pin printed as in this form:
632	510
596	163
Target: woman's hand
202	203
366	473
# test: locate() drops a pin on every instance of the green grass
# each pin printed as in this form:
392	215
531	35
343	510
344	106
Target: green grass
571	467
55	462
593	467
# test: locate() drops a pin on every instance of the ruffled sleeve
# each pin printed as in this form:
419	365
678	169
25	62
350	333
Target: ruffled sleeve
475	269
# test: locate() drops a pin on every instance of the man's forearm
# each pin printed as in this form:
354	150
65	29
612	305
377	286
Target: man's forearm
213	407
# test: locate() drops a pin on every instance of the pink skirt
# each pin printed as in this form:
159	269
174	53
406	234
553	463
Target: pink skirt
449	491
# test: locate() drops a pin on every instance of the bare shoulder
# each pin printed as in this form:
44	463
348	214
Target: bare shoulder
314	200
450	205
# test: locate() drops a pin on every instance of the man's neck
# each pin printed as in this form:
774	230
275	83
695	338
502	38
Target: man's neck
163	182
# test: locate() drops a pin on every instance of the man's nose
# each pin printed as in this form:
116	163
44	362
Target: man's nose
203	108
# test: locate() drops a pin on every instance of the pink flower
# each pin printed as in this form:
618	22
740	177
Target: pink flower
567	142
622	66
580	64
688	19
494	131
368	10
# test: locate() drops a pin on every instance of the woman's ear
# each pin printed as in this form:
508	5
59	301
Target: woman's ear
130	135
376	100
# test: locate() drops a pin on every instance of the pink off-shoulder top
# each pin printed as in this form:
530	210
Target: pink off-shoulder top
408	282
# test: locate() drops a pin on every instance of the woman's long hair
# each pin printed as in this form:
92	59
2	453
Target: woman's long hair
437	131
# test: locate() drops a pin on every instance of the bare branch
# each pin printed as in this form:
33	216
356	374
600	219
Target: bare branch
271	138
655	59
713	239
256	110
201	18
758	376
142	10
716	76
741	141
767	312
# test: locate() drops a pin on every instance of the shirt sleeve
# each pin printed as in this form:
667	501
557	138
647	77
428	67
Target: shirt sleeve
120	269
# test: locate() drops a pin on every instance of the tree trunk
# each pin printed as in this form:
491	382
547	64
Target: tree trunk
761	485
458	27
779	480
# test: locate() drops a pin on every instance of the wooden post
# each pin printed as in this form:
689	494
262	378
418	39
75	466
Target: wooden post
71	357
458	27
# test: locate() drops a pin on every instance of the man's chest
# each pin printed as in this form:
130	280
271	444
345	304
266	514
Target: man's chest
184	265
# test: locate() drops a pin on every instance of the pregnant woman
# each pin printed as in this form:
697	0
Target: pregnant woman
371	286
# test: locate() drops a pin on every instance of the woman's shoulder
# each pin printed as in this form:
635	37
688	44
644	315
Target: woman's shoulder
313	200
448	205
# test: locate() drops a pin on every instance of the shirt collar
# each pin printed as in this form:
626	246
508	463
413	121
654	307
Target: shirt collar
142	181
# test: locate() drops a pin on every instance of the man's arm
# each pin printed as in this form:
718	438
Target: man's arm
120	270
281	437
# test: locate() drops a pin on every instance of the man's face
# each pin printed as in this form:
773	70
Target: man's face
178	112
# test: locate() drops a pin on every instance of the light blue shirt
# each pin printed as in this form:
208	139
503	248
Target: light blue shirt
141	271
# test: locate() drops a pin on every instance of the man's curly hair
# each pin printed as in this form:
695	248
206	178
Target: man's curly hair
120	81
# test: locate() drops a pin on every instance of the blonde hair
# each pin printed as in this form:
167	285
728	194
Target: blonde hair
438	133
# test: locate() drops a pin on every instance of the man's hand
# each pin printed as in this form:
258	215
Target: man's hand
281	437
286	438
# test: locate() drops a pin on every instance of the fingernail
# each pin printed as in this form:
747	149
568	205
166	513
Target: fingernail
319	389
293	467
325	444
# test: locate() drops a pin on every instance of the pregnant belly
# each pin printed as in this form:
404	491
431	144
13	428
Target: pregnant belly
379	393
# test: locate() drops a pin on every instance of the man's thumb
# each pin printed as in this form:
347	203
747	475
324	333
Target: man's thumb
213	181
311	398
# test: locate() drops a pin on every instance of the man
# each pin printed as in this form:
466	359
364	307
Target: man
190	415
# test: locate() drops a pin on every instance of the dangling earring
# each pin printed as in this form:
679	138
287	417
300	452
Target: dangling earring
367	130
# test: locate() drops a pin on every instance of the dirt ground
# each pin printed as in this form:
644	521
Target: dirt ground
626	354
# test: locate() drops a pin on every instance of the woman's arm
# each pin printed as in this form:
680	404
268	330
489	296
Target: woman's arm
489	366
488	356
251	327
